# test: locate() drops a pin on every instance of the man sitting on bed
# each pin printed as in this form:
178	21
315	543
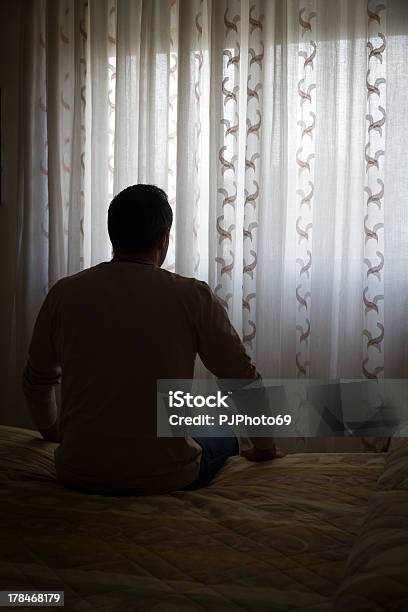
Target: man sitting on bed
108	334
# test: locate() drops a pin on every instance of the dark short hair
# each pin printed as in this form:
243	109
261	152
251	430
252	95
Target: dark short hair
137	218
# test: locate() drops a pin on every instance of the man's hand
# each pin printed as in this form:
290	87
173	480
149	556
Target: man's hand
263	454
52	434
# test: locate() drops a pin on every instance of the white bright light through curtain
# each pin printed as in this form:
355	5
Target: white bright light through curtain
278	129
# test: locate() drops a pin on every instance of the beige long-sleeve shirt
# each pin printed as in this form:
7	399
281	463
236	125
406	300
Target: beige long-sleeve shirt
108	334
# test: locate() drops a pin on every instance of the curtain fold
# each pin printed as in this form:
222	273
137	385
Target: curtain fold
278	129
394	193
193	94
32	256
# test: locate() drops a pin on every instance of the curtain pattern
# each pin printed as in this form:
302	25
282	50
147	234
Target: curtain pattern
305	159
373	292
226	70
267	123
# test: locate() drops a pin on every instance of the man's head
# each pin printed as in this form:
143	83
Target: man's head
139	222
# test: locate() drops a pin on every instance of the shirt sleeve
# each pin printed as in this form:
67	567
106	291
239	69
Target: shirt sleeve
223	353
218	344
42	371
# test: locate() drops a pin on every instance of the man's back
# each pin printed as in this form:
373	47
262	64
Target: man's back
114	330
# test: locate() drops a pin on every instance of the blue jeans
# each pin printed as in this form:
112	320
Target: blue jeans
215	453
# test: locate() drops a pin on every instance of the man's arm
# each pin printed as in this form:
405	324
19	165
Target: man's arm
41	374
222	352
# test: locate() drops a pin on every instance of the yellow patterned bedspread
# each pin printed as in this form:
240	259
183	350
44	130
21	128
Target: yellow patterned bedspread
271	536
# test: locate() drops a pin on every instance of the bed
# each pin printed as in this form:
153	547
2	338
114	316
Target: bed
308	532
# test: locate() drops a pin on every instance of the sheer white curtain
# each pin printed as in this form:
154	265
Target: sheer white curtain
279	130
